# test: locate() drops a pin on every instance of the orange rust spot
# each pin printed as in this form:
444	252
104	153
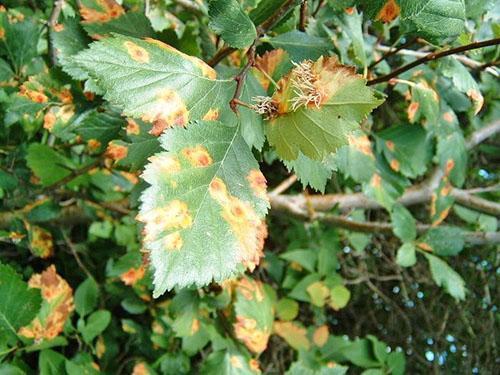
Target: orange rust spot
376	181
320	336
206	70
136	52
477	98
197	156
235	362
258	183
2	33
331	364
448	117
350	10
57	305
424	246
446	190
250	289
361	143
165	164
41	242
450	164
267	64
133	275
106	11
173	241
254	365
395	165
195	326
167	111
212	114
246	330
389	11
49	120
140	369
390	145
132	127
116	152
433	204
58	27
89	95
412	110
93	145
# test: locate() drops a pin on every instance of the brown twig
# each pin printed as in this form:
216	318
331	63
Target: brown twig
74	252
303	16
72	175
240	79
434	56
284	185
320	5
52	21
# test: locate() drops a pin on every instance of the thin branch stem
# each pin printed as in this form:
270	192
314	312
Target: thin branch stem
303	15
240	79
320	5
434	56
52	21
284	185
391	52
74	252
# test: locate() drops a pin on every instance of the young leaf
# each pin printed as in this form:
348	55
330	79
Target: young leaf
153	81
96	323
446	277
20	304
86	297
228	19
406	255
204	212
319	104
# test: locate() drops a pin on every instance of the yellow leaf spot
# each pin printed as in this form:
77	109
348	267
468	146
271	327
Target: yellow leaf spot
412	110
173	241
206	70
165	164
197	156
168	110
132	127
212	114
116	151
130	177
140	369
93	145
195	326
157	328
320	336
250	289
450	164
2	33
136	52
395	165
258	183
477	98
254	365
57	305
331	364
33	95
175	215
58	27
376	181
100	348
245	330
424	246
133	275
235	362
389	11
49	120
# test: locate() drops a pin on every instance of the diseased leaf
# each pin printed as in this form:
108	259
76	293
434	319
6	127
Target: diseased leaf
230	362
319	104
228	19
380	10
287	309
20	304
57	306
155	82
357	159
254	315
443	240
339	297
68	38
293	334
47	164
452	155
41	241
446	277
222	200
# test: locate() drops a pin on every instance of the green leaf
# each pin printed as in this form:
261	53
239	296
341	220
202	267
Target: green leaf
433	19
155	82
20	304
301	46
101	124
6	72
446	277
361	354
356	160
424	104
228	19
310	172
403	223
96	323
352	26
51	362
206	187
67	40
339	297
252	126
287	309
317	107
131	24
86	297
396	362
306	258
254	315
443	240
406	255
47	164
